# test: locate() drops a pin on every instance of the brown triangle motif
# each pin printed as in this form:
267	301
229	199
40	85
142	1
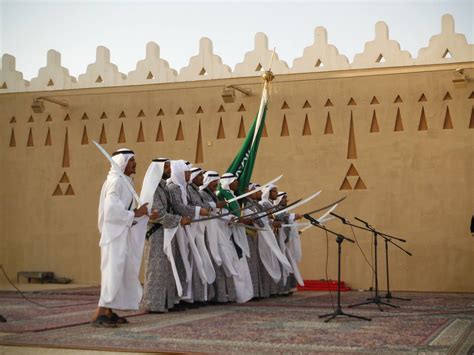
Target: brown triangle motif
345	185
447	96
85	138
160	112
220	130
471	121
49	118
398	99
241	133
285	106
374	126
472	95
48	138
306	127
448	123
122	115
180	111
328	103
69	191
398	122
13	120
199	151
422	125
103	136
84	116
67	117
203	72
306	104
13	140
66	162
159	134
99	79
50	82
374	101
360	185
64	178
199	110
150	75
284	128
4	85
141	114
141	135
121	137
241	108
422	98
351	102
103	116
57	191
352	171
351	145
179	133
31	120
221	109
29	143
328	128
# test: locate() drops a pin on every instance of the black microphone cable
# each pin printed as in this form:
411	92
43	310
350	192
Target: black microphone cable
365	258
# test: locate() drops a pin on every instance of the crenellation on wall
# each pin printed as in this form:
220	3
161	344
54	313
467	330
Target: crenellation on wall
102	72
11	80
53	76
258	60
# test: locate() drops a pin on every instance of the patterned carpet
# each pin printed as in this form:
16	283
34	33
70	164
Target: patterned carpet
430	323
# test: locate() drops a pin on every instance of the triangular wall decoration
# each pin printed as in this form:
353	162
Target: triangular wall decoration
351	144
122	115
241	108
306	104
67	117
103	116
180	111
221	109
258	67
220	130
422	125
30	143
374	101
203	72
179	133
69	191
103	136
422	98
13	119
328	128
50	82
306	127
57	191
141	114
49	118
30	120
374	126
352	171
447	96
448	123
64	178
351	102
4	85
121	137
328	103
99	79
141	135
398	122
284	128
241	133
13	140
472	95
345	185
471	121
47	141
159	134
160	112
84	116
447	54
285	106
149	76
199	110
199	150
398	99
85	138
360	185
66	162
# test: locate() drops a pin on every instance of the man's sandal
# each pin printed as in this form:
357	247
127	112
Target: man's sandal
114	317
103	322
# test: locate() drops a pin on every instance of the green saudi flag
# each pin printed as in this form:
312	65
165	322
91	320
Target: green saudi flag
244	161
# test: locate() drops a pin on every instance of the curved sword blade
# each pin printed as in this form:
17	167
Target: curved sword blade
255	190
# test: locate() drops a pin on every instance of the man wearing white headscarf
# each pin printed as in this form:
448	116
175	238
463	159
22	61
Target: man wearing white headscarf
272	257
161	278
189	257
122	228
243	280
221	248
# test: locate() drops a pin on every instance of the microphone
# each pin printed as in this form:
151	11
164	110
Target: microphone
343	220
311	219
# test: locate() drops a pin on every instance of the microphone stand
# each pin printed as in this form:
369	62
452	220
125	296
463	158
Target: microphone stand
339	239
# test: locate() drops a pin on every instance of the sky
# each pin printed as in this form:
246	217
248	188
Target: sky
28	29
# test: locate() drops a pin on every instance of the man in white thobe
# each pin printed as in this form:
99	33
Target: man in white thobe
122	228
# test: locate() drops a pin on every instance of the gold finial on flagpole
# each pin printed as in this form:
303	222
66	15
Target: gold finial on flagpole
268	75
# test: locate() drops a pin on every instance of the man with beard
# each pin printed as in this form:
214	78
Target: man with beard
160	294
220	246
